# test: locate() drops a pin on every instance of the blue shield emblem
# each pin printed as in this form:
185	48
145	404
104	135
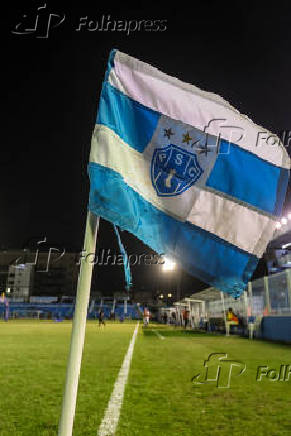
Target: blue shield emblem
174	170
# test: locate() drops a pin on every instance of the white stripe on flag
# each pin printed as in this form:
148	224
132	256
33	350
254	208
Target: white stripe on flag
235	223
110	420
187	103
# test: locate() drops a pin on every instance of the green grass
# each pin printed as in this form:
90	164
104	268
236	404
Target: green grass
33	365
160	398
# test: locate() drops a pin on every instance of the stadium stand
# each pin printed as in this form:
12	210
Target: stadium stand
63	311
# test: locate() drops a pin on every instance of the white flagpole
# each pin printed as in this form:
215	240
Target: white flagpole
79	326
224	314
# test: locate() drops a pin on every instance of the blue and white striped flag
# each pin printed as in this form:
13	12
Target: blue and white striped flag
185	172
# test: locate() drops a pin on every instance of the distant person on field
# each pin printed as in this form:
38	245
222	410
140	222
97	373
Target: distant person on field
101	318
173	317
6	316
185	315
146	317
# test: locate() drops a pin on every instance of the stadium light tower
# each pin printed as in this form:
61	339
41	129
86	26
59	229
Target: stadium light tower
169	265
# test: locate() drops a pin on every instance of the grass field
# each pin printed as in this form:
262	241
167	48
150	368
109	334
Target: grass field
160	398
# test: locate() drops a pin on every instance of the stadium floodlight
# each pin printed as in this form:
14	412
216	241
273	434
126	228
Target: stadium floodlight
169	264
284	221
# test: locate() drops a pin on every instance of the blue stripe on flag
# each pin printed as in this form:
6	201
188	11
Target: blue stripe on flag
248	178
130	120
281	191
110	63
228	268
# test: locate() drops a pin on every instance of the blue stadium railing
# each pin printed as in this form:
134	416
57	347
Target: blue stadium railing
66	311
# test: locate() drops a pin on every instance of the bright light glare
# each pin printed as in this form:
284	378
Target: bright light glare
169	265
278	225
284	221
169	295
289	216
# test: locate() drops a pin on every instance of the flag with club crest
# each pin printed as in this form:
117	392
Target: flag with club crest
185	172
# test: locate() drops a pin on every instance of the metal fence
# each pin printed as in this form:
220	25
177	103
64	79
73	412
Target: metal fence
265	296
271	295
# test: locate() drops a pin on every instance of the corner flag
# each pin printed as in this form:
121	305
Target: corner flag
185	172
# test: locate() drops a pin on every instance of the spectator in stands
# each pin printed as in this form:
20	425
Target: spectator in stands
230	316
231	320
101	318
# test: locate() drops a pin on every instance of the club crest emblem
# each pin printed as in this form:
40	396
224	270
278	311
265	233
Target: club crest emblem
174	170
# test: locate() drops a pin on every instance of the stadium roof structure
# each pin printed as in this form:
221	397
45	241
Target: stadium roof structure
181	303
280	238
209	294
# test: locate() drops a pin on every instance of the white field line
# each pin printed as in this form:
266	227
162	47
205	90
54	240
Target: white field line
111	417
158	334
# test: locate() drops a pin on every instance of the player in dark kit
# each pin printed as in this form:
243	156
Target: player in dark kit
101	318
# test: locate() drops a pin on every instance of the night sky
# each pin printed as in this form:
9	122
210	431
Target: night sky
51	86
